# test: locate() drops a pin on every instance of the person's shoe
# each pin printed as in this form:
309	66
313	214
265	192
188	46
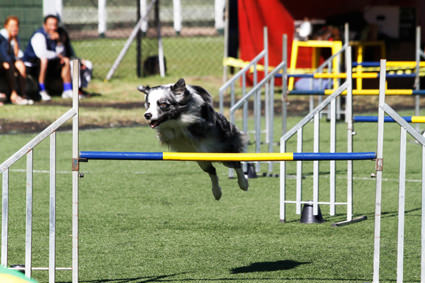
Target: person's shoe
67	94
17	100
45	96
3	97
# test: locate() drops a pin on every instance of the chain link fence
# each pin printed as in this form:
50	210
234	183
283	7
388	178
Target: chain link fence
195	50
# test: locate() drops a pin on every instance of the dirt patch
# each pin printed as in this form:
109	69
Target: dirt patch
98	104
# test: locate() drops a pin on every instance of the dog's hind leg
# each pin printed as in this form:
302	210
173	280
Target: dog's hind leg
242	181
209	168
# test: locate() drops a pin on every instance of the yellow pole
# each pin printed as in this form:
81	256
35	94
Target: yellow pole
374	92
292	66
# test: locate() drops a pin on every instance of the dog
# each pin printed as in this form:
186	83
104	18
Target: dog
184	117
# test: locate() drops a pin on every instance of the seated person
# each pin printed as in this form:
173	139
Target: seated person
64	47
313	84
11	65
46	54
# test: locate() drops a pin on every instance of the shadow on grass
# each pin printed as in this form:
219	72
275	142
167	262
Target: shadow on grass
388	214
268	266
141	279
254	267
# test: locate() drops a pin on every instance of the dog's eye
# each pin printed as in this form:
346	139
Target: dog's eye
163	106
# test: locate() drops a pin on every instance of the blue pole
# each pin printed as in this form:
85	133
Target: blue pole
111	155
306	156
387	119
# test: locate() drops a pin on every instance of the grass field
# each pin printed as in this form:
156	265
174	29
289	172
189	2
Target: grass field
144	221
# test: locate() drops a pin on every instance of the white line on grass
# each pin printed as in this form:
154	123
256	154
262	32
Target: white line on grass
141	173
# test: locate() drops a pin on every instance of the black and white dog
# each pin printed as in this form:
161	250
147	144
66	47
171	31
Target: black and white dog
185	120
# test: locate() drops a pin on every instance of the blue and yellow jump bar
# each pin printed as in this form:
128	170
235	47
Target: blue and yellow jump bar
387	119
203	156
409	64
360	92
354	75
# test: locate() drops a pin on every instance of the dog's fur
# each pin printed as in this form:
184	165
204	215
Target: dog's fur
185	120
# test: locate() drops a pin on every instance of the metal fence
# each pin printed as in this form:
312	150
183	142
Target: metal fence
194	49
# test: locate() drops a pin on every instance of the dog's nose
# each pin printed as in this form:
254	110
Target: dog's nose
148	116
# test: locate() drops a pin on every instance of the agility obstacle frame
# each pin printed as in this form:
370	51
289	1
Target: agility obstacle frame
359	75
253	67
268	83
298	129
27	151
404	128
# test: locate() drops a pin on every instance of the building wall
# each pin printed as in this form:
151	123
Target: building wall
29	12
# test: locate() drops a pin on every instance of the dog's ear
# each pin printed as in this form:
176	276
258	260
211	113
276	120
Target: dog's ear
144	89
180	91
179	87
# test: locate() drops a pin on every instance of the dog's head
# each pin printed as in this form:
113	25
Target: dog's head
165	102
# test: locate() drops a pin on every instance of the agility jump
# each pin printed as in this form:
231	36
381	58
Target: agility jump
223	157
373	92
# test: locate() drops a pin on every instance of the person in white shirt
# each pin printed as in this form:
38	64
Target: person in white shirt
44	51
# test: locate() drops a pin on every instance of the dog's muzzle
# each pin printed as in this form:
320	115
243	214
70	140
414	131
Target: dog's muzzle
152	123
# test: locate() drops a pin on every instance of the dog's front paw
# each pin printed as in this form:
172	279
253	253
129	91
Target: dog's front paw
216	190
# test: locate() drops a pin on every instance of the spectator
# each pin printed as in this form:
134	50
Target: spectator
11	64
46	52
64	47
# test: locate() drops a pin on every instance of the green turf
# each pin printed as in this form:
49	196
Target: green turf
153	221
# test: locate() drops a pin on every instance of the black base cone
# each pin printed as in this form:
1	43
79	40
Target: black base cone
251	171
308	217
